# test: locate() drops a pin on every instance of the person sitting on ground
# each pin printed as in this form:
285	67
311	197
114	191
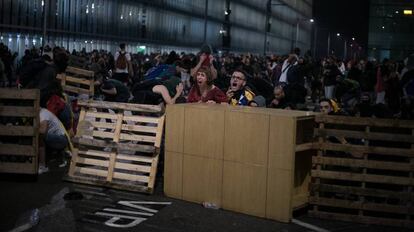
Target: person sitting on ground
55	136
204	90
238	93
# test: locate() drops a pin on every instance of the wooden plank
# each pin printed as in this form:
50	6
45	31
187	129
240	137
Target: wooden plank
405	196
153	172
83	72
18	111
91	171
9	93
362	219
121	106
305	147
135	158
15	149
18	130
347	162
362	177
135	128
104	125
110	173
347	204
113	155
101	115
94	142
372	122
136	147
94	153
79	80
142	119
133	167
139	138
21	168
130	177
95	162
160	130
365	135
103	134
364	149
77	90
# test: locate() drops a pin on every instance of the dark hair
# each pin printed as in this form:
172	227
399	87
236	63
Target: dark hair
122	46
243	72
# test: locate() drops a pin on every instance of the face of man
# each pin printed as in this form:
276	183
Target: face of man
325	107
279	93
237	81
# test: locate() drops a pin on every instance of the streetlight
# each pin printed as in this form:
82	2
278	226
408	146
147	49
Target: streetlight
297	28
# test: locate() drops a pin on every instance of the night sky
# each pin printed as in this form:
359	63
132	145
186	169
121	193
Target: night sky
348	17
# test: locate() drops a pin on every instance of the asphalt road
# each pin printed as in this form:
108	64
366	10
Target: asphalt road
102	209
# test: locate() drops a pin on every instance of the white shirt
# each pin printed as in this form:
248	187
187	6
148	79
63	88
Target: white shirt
54	126
285	68
128	58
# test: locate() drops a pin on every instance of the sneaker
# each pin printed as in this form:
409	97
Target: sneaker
43	169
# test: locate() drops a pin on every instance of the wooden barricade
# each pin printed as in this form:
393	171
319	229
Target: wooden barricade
19	131
77	81
363	171
117	149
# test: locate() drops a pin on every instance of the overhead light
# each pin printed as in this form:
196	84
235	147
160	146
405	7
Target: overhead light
338	34
383	27
227	12
353	38
408	12
311	20
397	12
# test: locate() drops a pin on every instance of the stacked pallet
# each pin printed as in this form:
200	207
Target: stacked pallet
77	81
117	145
19	131
364	171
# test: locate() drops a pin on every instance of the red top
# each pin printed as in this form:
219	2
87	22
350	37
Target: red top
215	94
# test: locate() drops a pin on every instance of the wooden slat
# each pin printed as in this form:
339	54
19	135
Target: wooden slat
362	177
95	153
135	158
101	115
133	167
79	80
76	90
153	172
79	71
21	168
386	165
140	138
90	171
15	149
362	219
104	125
30	94
121	106
18	111
305	147
142	119
365	135
17	130
130	177
405	196
95	162
103	134
399	209
160	129
372	122
364	149
136	147
145	129
94	142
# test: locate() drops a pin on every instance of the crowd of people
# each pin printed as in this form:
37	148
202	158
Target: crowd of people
363	88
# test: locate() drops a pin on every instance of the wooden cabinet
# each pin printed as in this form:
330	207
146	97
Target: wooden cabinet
255	161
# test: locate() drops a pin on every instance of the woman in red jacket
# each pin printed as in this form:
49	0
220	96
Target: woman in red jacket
203	89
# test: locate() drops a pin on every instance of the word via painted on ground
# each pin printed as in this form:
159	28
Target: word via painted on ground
130	213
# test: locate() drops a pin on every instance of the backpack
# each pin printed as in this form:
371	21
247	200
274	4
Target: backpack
121	62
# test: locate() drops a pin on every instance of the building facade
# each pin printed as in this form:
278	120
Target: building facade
257	26
391	29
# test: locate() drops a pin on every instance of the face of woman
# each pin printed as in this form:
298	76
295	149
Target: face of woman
201	79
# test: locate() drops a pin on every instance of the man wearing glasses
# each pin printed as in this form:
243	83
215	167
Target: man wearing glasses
238	93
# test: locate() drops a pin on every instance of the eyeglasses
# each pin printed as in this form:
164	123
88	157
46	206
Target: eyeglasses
237	77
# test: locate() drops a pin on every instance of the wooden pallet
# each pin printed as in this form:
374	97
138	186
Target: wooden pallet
117	149
364	171
19	131
77	81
